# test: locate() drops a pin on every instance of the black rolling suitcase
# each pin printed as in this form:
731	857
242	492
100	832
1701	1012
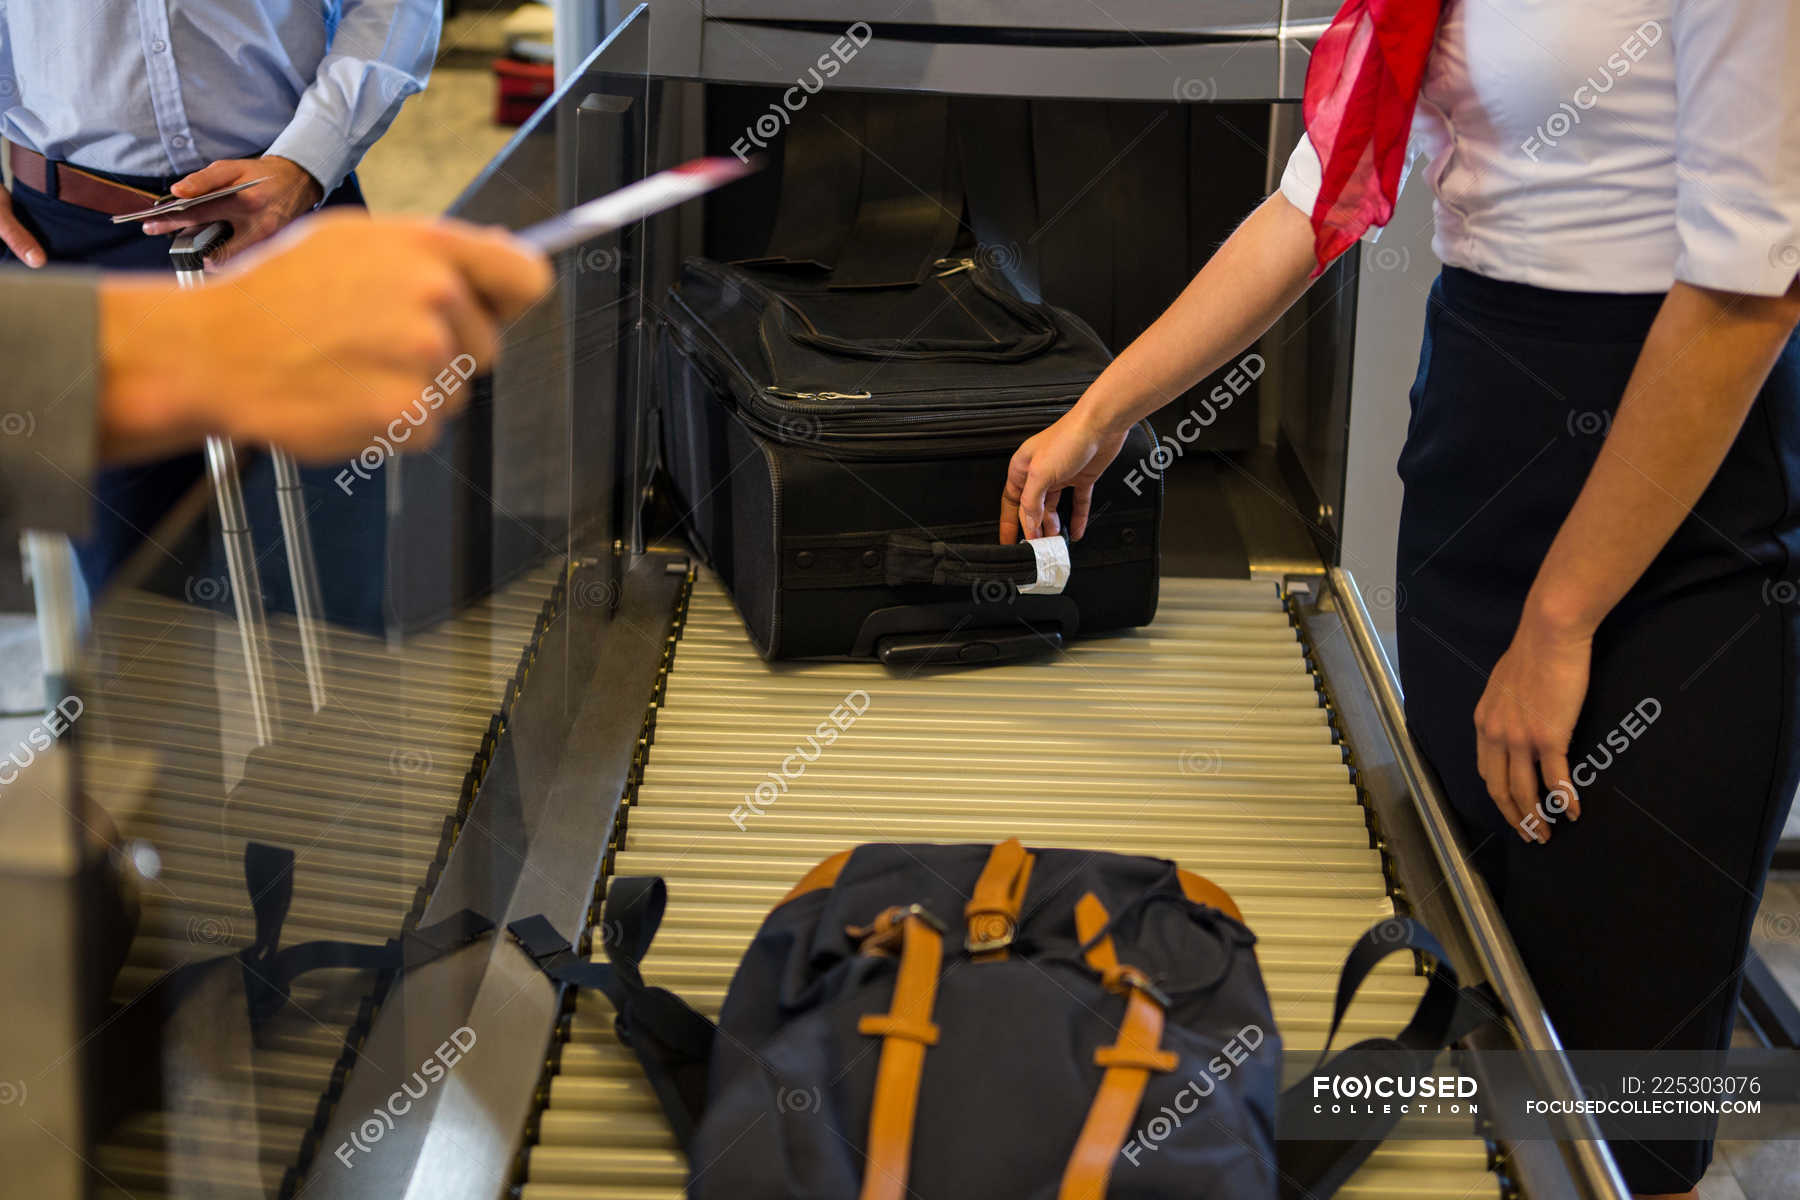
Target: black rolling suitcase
838	454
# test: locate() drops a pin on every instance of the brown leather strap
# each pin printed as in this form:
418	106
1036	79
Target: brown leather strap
905	1030
76	186
1202	890
28	167
993	911
823	875
1128	1062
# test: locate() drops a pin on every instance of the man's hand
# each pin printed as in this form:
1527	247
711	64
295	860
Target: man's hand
1071	453
256	213
314	343
18	239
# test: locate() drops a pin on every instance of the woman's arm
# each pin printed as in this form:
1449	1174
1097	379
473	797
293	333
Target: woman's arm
1701	367
1262	268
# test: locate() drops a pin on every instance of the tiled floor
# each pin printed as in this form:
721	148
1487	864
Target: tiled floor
1766	1169
446	134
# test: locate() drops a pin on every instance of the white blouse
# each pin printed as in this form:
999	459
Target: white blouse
1610	145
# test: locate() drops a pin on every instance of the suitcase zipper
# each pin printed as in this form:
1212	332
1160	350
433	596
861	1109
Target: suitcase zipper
775	484
828	401
785	394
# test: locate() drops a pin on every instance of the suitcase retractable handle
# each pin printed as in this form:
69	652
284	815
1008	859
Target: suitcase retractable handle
188	255
965	647
193	247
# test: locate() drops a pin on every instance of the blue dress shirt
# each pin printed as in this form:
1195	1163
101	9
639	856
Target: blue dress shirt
164	87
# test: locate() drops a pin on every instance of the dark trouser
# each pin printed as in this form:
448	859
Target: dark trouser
348	531
1634	922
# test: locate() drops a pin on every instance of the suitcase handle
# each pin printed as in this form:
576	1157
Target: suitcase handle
966	647
999	350
1037	332
960	564
1049	621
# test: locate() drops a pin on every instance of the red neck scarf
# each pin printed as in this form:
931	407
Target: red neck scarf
1361	89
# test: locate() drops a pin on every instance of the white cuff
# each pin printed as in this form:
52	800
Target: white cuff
1300	179
318	147
1735	243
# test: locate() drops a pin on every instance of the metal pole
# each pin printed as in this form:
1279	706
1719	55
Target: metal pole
290	501
1487	930
50	561
188	255
246	587
309	610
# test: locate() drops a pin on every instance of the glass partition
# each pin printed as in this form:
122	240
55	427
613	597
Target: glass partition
285	708
288	707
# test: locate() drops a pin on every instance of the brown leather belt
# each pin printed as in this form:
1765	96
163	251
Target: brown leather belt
76	186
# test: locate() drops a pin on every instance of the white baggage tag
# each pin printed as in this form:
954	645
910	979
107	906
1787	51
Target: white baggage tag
1052	567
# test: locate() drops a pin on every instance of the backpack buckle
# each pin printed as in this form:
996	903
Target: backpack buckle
884	933
924	914
1123	978
990	932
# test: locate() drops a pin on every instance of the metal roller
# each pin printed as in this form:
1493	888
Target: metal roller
1329	848
1022	712
1203	738
366	821
943	782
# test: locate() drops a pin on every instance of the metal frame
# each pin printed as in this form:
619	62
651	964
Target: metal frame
1213	52
1481	940
1215	18
45	992
1768	1005
533	843
50	565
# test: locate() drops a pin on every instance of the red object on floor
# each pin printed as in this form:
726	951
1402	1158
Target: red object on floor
522	87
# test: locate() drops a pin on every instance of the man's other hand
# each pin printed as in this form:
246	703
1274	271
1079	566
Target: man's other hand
256	213
18	239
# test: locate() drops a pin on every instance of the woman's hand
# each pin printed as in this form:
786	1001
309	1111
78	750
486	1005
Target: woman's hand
1070	454
1706	357
1525	720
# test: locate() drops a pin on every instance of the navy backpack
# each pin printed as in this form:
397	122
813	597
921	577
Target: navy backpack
948	1021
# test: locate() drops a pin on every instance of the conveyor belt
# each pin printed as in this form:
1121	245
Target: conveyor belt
1202	738
367	795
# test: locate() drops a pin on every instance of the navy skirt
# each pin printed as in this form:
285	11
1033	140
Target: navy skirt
1634	922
